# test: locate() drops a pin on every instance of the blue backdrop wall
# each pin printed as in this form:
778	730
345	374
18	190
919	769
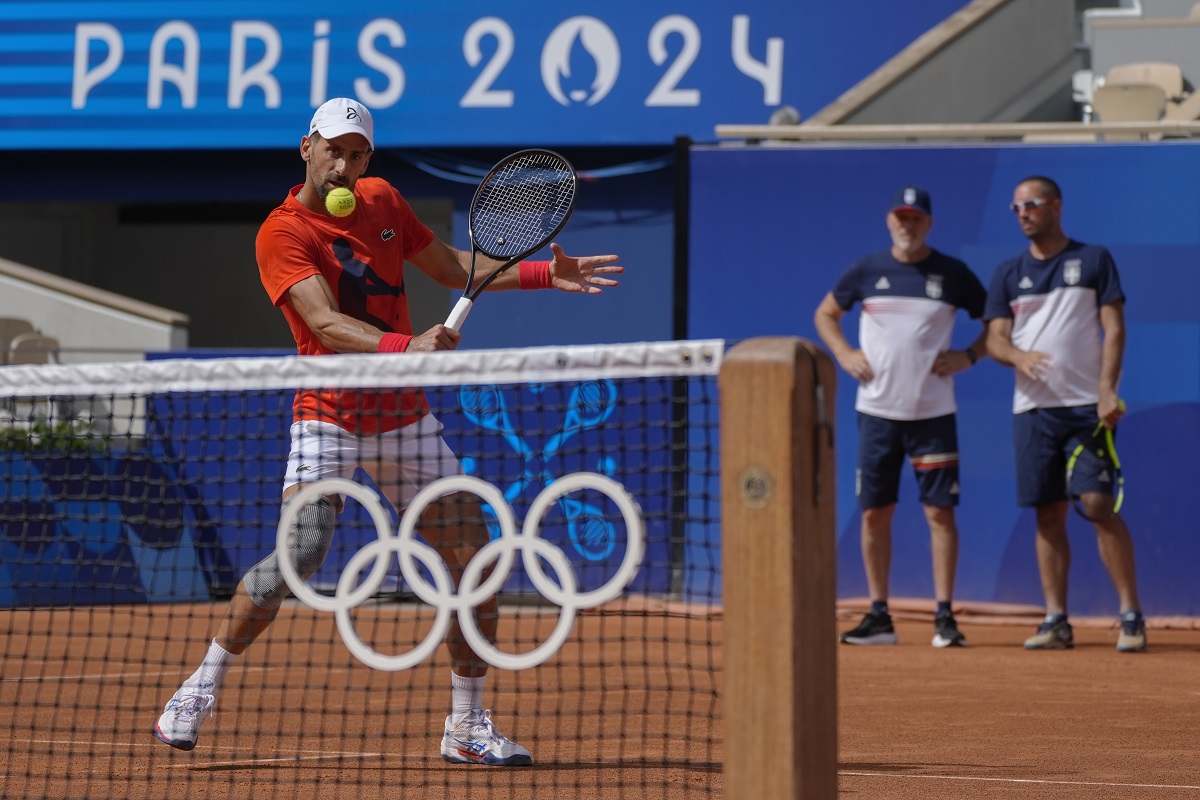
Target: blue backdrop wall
232	74
772	228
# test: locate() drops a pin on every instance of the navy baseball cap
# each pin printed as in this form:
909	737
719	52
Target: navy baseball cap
914	198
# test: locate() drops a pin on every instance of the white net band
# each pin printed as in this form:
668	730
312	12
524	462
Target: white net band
367	371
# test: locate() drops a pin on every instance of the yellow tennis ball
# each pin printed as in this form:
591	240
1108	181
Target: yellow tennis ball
340	202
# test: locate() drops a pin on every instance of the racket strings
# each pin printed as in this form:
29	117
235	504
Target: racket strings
522	203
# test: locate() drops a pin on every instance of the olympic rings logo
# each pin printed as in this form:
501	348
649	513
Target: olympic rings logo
472	589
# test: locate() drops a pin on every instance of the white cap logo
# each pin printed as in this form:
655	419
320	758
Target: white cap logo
340	116
910	196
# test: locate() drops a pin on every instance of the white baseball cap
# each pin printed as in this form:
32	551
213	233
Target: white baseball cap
340	116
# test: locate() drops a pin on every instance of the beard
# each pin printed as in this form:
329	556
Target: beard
328	184
907	244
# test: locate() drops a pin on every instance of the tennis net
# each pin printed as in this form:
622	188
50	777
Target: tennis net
135	496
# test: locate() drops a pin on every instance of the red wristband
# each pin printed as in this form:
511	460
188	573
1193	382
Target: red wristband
394	342
535	275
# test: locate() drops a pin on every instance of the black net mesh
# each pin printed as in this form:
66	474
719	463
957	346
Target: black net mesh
134	497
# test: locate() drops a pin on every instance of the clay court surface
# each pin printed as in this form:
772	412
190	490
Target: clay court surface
992	720
80	690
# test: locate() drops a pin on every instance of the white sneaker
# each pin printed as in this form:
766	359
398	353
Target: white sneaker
179	725
475	740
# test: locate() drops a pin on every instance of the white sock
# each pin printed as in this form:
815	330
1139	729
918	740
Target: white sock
466	695
216	663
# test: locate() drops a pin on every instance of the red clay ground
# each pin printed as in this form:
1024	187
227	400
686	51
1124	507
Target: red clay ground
995	721
629	709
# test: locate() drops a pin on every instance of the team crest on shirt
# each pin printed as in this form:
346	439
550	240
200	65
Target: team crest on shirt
933	286
1072	271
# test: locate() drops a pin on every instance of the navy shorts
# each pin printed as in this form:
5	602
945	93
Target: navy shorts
931	446
1043	440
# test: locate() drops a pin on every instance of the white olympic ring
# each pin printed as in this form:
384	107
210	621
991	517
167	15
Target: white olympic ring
441	593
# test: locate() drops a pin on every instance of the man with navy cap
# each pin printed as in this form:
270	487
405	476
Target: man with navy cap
910	294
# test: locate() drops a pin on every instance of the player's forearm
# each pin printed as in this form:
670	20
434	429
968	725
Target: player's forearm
509	279
1001	348
1112	322
1111	360
830	331
343	334
484	267
980	345
445	265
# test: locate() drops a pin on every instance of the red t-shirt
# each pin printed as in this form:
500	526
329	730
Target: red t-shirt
361	257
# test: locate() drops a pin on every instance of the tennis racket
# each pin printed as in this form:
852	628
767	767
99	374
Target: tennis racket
1098	446
518	208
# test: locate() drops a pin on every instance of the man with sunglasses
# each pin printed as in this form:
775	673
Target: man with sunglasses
1056	314
910	296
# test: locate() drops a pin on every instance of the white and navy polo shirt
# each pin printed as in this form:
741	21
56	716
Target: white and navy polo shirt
907	319
1055	309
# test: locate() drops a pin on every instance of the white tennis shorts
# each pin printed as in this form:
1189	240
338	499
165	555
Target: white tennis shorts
400	462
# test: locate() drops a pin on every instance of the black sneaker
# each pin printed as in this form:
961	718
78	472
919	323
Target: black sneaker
946	632
1052	636
874	629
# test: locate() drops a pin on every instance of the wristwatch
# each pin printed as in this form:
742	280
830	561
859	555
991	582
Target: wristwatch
970	351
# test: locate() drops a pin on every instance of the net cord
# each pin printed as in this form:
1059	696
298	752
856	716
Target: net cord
367	370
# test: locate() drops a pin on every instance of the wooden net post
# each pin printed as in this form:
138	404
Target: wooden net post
779	585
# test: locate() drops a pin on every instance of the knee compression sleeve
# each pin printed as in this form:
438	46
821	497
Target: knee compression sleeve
310	543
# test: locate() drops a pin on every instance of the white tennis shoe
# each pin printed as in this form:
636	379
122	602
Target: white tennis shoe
179	725
475	740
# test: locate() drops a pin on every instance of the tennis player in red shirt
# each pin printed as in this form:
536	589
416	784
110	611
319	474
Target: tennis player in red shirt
339	282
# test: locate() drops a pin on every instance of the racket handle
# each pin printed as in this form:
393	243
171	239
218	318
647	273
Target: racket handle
459	313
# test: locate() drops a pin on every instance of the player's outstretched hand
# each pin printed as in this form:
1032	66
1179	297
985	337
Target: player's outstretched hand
439	337
582	274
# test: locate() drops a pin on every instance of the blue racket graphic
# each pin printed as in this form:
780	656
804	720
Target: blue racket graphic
590	404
